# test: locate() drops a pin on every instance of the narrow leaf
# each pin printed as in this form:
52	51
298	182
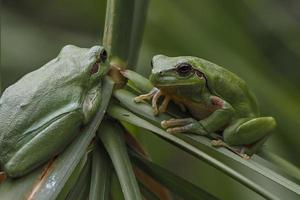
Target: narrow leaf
101	174
147	194
73	179
203	143
176	184
111	136
18	189
124	115
81	189
137	82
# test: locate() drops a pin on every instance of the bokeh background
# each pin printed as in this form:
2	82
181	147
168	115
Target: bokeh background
258	40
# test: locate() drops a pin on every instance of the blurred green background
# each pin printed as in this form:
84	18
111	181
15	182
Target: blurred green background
258	40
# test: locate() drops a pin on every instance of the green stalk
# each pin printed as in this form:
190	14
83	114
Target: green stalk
139	18
117	30
124	24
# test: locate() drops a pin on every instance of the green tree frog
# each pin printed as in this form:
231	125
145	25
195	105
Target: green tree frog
42	112
217	99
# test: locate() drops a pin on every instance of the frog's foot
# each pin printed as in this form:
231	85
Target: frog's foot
147	96
155	93
239	152
183	125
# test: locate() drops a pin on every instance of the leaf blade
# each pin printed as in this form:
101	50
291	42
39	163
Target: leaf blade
176	184
124	115
111	137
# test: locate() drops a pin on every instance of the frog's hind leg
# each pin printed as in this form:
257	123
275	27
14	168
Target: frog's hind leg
240	152
249	131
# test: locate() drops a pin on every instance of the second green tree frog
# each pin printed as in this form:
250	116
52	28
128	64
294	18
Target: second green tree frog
217	99
42	112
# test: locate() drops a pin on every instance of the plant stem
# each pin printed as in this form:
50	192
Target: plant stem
140	14
117	30
124	24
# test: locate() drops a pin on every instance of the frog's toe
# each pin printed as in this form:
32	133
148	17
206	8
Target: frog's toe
176	122
148	96
218	143
180	129
142	98
155	109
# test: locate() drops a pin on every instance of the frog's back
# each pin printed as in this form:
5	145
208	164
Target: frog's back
231	88
23	103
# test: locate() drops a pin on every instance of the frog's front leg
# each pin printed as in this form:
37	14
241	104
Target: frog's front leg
155	93
218	119
183	125
147	96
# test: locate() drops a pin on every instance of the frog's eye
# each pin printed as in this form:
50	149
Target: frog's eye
100	59
103	56
184	69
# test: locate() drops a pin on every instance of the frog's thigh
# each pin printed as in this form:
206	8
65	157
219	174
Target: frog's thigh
45	145
247	131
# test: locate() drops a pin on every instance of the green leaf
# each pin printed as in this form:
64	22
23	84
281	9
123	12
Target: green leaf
126	98
176	184
18	189
116	190
137	82
101	174
73	179
112	139
81	188
124	115
147	194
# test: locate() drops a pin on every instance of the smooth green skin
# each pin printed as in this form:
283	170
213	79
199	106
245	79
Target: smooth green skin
42	112
220	100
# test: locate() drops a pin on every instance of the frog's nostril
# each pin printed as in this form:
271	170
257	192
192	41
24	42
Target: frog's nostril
151	63
161	73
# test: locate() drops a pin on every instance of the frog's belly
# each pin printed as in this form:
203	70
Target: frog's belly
197	109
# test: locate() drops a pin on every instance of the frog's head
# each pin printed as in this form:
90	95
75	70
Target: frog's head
176	72
88	64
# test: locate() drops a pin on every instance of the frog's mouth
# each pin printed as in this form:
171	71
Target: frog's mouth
170	82
169	85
